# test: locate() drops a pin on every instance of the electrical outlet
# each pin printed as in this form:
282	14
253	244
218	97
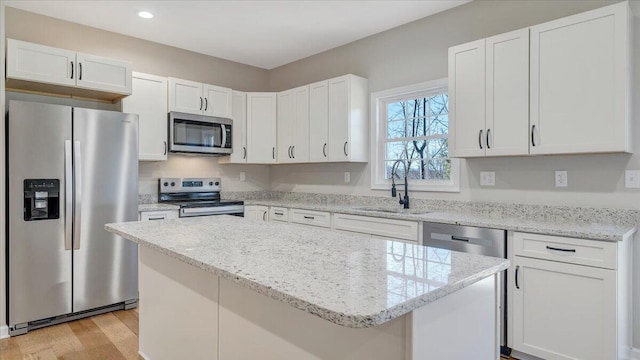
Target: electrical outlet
562	180
243	176
632	179
347	177
487	178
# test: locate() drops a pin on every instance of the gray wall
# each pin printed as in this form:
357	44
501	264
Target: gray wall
417	52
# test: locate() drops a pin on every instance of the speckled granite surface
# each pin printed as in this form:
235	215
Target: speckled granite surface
349	280
157	207
580	222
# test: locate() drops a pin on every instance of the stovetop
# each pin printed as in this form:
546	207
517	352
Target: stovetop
196	204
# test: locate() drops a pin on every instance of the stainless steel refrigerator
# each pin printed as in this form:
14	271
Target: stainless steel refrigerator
70	171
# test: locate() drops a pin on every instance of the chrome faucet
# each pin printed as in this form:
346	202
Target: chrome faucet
404	200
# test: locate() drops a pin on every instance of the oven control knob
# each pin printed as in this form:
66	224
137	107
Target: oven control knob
217	183
173	184
166	184
210	183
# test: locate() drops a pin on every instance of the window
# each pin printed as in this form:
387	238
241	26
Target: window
412	129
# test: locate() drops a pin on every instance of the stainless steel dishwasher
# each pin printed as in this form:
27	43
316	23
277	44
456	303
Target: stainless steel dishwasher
474	240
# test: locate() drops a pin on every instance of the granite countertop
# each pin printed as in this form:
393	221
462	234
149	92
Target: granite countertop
558	227
157	207
349	280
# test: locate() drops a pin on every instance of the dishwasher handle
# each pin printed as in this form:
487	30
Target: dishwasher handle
468	240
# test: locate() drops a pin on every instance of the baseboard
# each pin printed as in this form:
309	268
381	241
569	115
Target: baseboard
4	331
142	355
634	354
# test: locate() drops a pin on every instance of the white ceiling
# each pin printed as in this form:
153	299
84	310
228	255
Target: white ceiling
265	34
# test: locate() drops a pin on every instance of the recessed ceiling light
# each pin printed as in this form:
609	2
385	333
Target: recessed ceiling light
145	14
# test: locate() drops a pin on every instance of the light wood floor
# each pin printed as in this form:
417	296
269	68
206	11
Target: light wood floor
111	336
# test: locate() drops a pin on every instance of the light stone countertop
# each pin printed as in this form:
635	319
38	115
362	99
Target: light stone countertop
559	227
349	280
157	207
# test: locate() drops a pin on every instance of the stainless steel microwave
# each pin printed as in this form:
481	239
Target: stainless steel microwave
199	134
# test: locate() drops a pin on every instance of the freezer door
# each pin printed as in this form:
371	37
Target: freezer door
105	266
39	266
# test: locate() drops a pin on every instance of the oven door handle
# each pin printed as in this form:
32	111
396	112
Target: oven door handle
217	210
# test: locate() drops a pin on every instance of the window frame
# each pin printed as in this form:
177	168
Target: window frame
378	139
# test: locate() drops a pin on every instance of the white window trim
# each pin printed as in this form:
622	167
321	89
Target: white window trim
378	137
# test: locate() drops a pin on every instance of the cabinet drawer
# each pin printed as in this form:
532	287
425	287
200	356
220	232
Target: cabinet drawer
388	228
569	250
158	215
310	217
279	214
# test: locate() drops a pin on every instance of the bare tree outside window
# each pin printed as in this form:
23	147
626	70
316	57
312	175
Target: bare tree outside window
417	130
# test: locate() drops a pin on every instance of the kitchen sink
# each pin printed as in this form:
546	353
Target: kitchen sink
391	211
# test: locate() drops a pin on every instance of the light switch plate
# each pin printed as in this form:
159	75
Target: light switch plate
347	177
562	179
243	176
632	179
487	178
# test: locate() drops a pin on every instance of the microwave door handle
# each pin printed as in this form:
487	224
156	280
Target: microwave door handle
224	136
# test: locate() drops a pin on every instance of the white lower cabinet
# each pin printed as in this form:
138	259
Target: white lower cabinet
256	212
310	217
378	227
563	310
279	214
158	215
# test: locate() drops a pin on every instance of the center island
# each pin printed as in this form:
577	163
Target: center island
222	287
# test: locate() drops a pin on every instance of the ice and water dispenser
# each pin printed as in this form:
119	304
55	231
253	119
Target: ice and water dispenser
41	199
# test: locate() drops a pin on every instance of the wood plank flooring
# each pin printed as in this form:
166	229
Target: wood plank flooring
111	336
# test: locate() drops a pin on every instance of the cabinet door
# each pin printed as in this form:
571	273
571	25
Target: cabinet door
507	76
251	212
261	128
158	215
103	74
239	130
318	121
564	311
149	101
217	101
185	96
339	89
579	78
263	213
286	126
467	100
33	62
300	150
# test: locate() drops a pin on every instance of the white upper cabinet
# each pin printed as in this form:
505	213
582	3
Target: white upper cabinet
185	96
348	120
507	96
261	127
239	129
548	89
318	121
103	74
217	101
201	99
149	101
45	64
580	78
293	125
36	67
467	99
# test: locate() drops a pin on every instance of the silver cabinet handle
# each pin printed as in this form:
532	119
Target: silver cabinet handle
206	104
324	149
480	139
79	71
533	140
72	69
279	213
560	249
157	218
345	148
77	162
68	196
309	217
200	102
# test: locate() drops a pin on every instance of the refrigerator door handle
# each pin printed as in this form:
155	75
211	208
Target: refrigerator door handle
77	161
68	195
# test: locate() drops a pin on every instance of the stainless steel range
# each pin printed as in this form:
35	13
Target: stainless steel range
198	197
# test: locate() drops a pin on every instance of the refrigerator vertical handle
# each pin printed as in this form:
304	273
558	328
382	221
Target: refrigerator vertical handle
77	181
68	195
